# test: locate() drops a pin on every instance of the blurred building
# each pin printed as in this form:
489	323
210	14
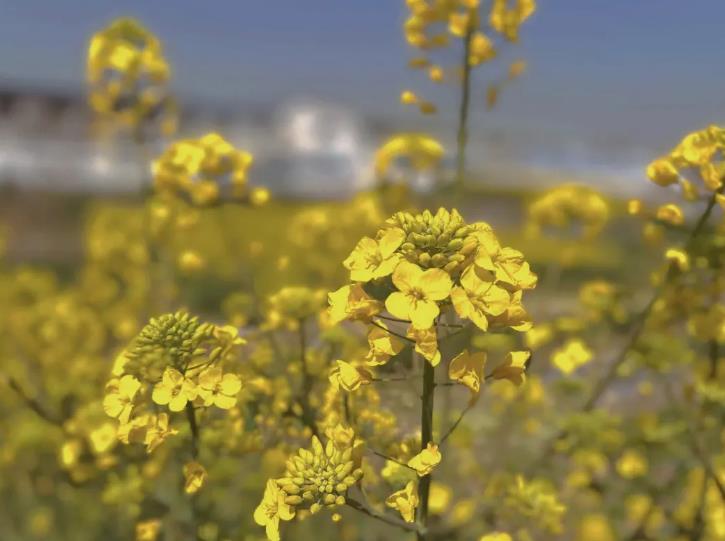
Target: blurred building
307	149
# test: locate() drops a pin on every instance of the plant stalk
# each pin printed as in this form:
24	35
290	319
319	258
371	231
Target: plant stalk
426	433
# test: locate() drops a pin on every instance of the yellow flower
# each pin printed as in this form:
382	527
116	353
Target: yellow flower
194	477
435	73
217	389
678	258
426	344
467	369
407	97
119	402
426	461
671	214
632	464
272	509
496	536
372	259
173	390
383	345
417	294
423	151
157	430
148	530
506	20
203	169
103	438
513	368
662	172
482	49
349	377
595	527
479	297
440	498
404	501
571	356
351	302
513	270
516	69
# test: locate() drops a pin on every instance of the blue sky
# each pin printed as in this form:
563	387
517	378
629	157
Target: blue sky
608	69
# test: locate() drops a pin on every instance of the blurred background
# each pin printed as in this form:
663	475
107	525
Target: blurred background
312	87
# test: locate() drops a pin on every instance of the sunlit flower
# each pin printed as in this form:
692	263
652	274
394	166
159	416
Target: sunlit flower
174	390
417	294
426	461
404	501
118	401
218	389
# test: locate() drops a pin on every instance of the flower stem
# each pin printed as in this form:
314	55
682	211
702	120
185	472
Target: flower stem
464	106
426	432
194	427
308	416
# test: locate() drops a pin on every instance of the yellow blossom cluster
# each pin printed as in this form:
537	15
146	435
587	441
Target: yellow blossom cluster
206	170
426	268
699	152
176	362
314	478
128	75
437	24
576	210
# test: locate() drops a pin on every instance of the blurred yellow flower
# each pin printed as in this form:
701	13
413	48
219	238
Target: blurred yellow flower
194	477
573	354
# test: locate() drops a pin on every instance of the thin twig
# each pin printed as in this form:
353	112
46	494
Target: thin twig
379	326
383	517
456	423
34	404
391	459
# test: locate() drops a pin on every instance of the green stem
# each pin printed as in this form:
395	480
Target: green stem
426	432
464	106
194	427
308	416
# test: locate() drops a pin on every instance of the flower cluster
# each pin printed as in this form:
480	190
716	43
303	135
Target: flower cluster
435	24
420	150
128	75
578	209
175	361
206	170
427	268
314	479
700	152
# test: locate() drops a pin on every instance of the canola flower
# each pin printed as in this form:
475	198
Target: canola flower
205	171
128	76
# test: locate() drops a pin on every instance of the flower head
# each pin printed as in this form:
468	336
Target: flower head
203	170
426	461
404	501
272	509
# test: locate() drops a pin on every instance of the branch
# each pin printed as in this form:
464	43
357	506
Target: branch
383	517
34	404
